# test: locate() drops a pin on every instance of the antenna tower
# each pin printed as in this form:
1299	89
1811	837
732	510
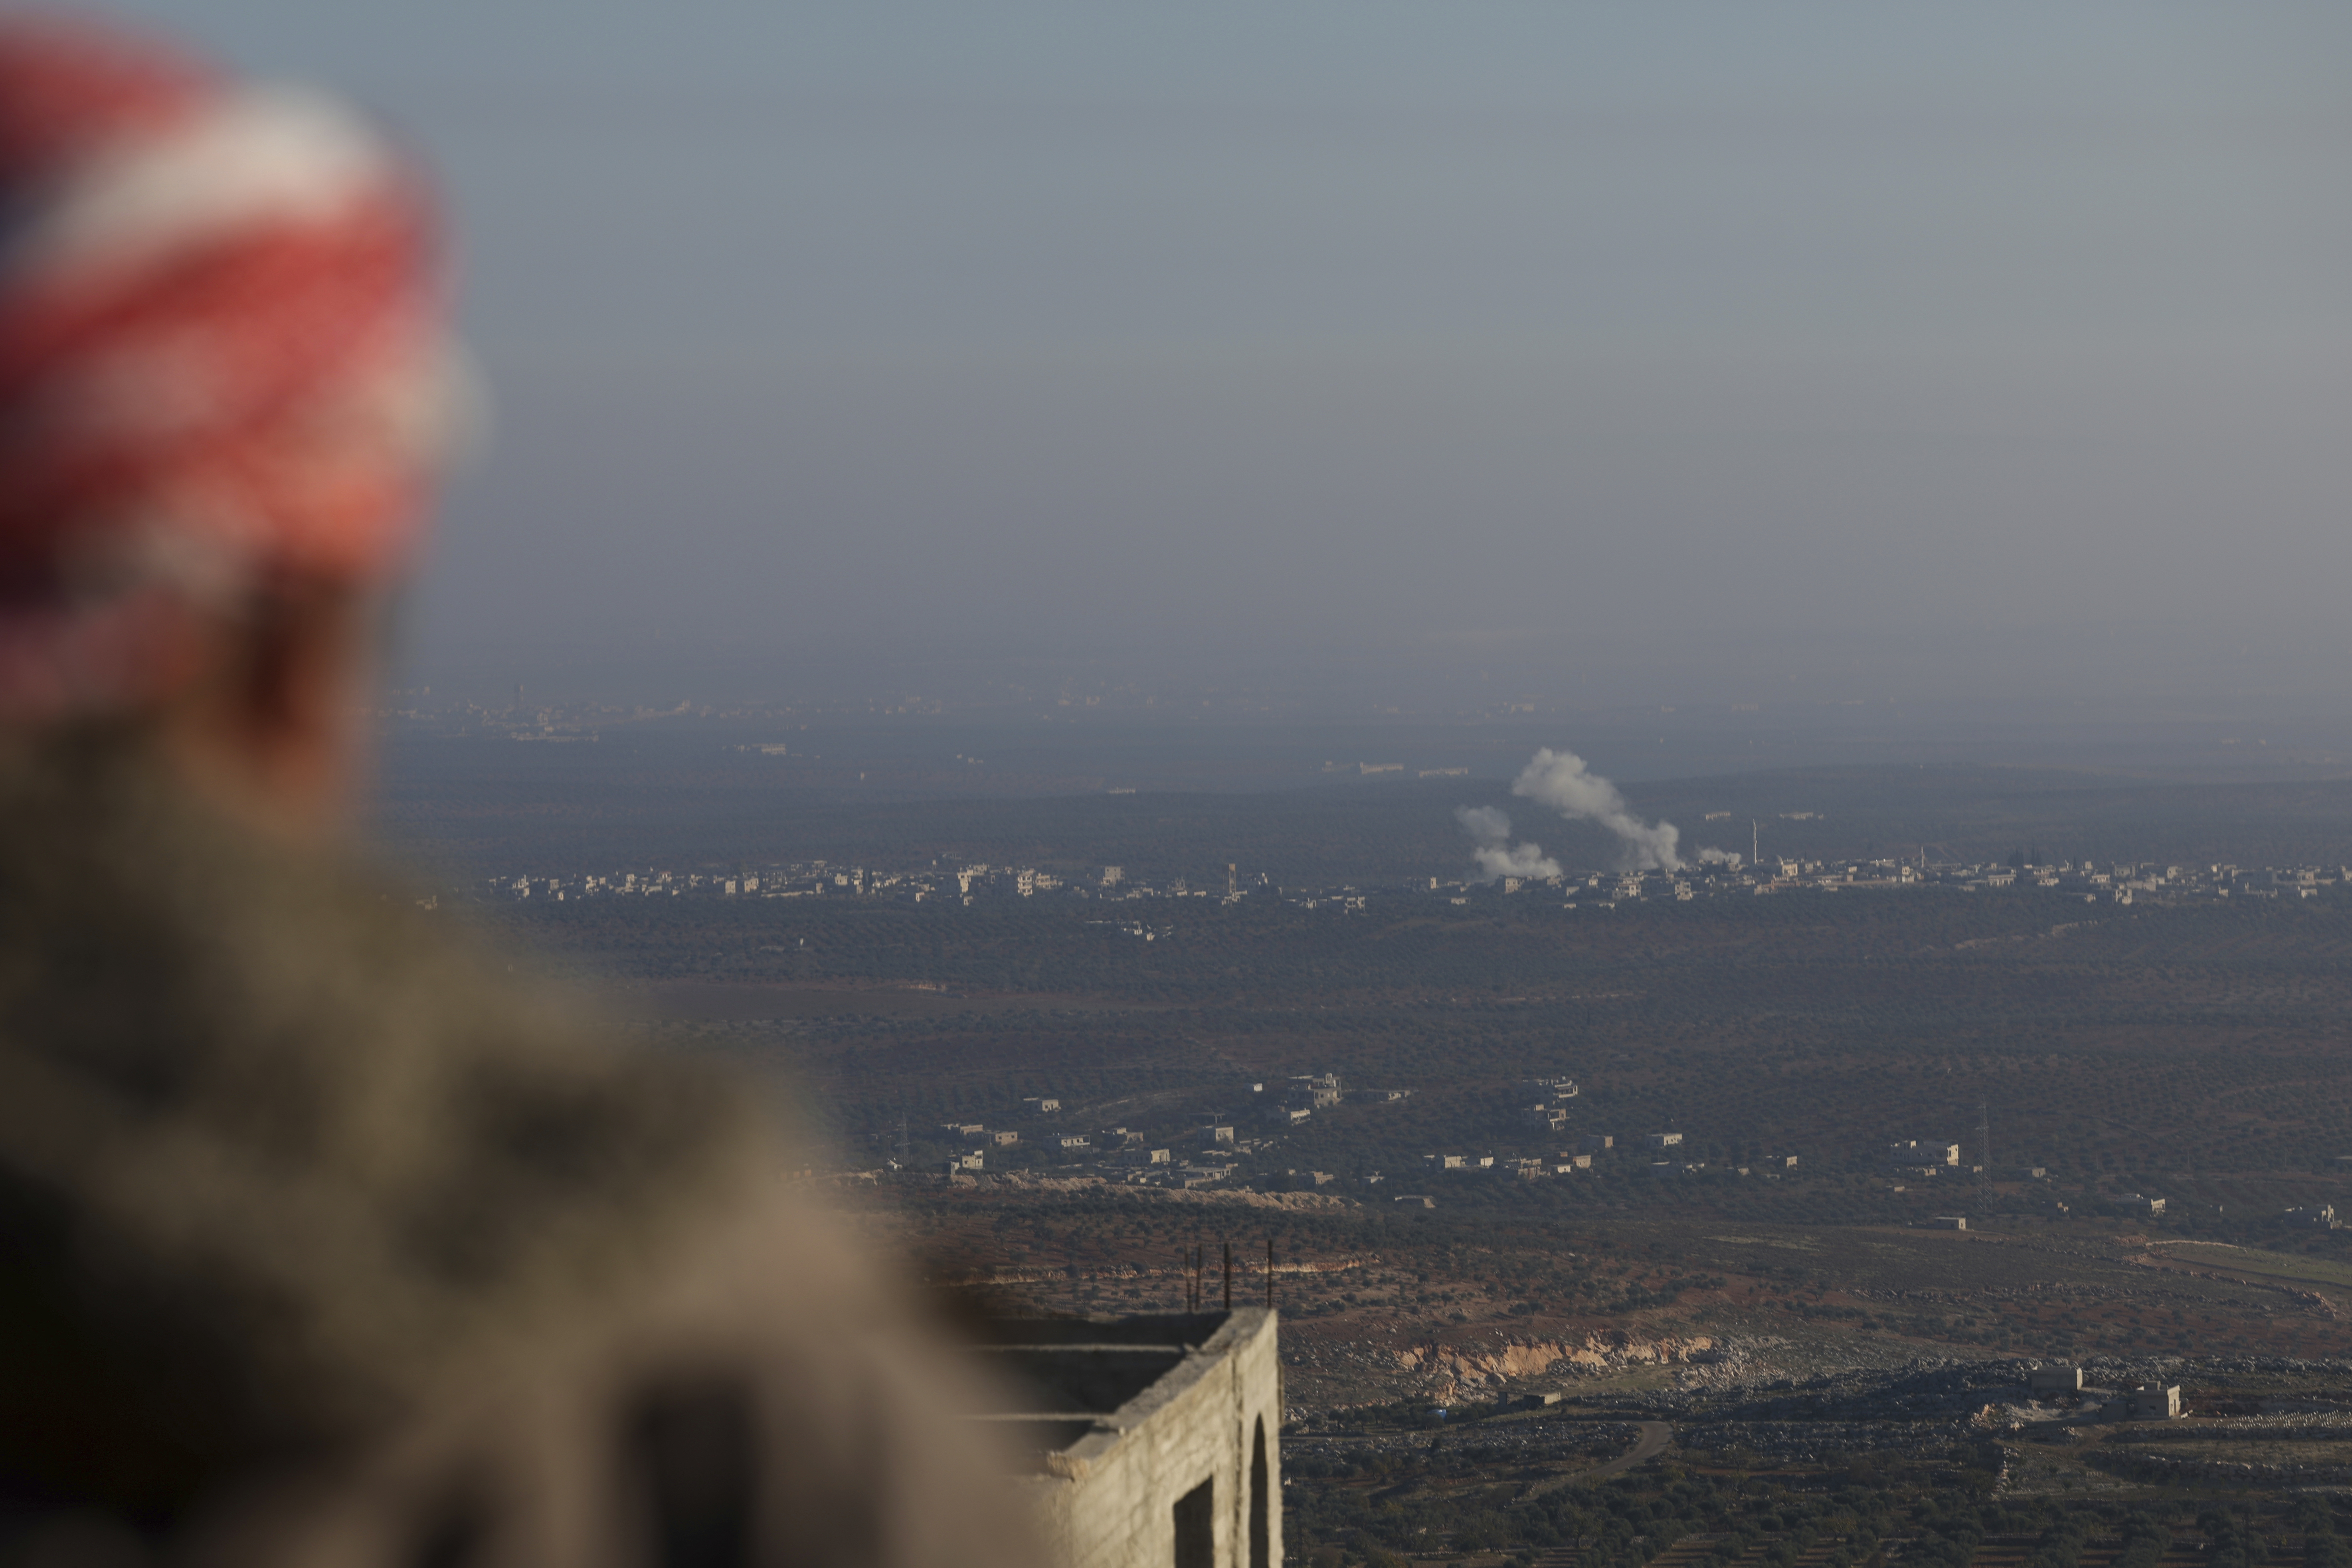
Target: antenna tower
1984	1137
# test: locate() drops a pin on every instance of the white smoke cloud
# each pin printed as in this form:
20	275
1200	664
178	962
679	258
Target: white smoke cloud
1719	857
1524	860
1561	781
1496	856
1483	823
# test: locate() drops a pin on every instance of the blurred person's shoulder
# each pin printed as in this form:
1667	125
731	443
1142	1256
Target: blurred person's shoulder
294	1184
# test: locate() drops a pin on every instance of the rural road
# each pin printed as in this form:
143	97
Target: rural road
1654	1438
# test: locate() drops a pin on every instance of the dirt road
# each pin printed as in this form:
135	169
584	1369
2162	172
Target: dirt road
1655	1436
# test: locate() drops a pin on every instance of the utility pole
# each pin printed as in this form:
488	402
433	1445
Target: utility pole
1755	837
1984	1136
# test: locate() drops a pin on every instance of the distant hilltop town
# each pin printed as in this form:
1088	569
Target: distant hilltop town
980	882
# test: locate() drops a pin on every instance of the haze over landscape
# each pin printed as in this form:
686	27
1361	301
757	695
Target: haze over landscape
1385	353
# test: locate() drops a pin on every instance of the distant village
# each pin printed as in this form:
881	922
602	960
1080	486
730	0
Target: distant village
1537	1136
1247	1151
1724	876
1223	1150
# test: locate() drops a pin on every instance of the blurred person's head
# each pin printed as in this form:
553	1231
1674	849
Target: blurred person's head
319	1243
223	391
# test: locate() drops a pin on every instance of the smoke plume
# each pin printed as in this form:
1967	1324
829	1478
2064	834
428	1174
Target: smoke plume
1561	781
1496	856
1725	857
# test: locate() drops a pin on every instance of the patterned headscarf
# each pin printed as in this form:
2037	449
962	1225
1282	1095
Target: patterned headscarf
222	360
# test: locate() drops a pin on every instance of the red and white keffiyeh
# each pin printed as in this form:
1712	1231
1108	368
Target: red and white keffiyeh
222	357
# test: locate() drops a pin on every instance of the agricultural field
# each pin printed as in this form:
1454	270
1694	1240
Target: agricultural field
1953	1464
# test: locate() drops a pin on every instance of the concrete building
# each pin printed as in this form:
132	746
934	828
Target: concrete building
2153	1402
1949	1222
1317	1091
2321	1217
2134	1203
1913	1155
1597	1142
1662	1140
2054	1380
1148	1441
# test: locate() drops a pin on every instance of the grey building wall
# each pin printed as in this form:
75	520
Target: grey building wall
1126	1492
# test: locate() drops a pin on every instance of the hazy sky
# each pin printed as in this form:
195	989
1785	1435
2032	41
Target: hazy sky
1639	351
